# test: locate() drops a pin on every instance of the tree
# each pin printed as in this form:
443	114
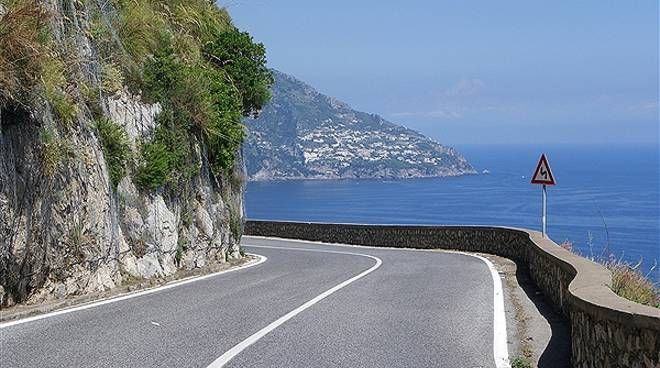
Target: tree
245	64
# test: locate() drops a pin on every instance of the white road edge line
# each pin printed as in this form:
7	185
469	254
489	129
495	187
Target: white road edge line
231	353
260	259
500	349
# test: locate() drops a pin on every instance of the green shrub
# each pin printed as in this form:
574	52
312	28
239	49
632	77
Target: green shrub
167	158
519	362
116	148
92	98
140	28
245	63
201	97
204	73
163	76
225	133
154	167
144	26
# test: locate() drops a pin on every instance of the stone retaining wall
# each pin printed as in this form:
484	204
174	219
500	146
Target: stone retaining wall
606	330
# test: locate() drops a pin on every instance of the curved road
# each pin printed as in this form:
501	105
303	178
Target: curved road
308	305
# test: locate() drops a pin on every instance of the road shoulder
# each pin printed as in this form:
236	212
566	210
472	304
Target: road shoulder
536	332
131	288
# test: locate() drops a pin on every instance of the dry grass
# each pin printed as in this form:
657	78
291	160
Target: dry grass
630	283
23	46
54	151
627	280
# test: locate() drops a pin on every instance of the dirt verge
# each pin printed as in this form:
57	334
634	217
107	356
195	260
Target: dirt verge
130	285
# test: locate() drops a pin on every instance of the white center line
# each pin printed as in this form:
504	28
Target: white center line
231	353
500	350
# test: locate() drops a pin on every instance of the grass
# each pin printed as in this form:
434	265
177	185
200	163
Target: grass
54	151
184	54
627	279
27	59
630	283
112	80
23	47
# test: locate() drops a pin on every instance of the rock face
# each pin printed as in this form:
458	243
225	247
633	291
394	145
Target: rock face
303	134
67	230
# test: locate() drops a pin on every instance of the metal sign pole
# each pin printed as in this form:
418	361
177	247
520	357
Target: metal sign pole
545	209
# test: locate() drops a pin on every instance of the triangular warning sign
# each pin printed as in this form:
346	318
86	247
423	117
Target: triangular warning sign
543	174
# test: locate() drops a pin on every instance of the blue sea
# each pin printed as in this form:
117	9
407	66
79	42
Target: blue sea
606	198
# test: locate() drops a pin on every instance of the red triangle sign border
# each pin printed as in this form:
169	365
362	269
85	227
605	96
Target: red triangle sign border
543	162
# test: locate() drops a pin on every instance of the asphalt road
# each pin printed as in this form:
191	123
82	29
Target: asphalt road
401	309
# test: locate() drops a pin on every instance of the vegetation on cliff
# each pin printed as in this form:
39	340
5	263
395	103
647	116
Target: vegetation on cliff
185	55
120	129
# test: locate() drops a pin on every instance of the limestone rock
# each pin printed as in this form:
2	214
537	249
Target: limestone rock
71	231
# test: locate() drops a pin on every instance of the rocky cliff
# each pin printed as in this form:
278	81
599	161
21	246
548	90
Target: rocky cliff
120	127
303	134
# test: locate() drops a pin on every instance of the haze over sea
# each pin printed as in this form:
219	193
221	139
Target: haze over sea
606	194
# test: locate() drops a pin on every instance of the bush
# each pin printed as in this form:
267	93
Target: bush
154	167
140	28
27	60
116	148
225	133
167	158
205	74
198	96
145	25
519	362
245	62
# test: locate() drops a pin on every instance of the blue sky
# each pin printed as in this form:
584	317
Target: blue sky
481	71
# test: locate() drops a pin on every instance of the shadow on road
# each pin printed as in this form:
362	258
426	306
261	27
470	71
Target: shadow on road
558	351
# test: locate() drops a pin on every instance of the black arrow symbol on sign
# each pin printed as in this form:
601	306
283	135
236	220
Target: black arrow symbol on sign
544	173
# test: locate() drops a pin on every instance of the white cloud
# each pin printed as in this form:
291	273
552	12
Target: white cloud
645	106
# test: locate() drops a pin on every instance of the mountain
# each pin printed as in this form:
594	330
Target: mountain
303	134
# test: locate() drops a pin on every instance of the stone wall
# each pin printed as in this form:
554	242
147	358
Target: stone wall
607	331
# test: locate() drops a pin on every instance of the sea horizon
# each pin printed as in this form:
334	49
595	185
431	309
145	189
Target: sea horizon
604	199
